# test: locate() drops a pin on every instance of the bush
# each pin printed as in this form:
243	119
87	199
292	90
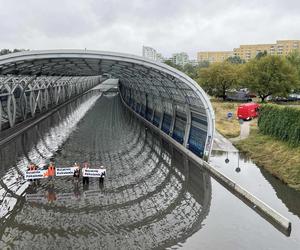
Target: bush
280	122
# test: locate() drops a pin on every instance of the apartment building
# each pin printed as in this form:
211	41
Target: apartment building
213	56
281	47
181	58
149	53
247	52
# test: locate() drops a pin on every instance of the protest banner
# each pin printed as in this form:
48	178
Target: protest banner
65	171
35	174
89	172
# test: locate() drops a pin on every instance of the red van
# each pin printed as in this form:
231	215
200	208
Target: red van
247	111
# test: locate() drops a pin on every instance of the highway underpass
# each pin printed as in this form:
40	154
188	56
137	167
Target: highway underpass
153	196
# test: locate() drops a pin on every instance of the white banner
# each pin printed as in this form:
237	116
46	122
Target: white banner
89	172
65	171
35	174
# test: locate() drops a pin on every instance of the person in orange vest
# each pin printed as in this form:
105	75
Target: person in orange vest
51	170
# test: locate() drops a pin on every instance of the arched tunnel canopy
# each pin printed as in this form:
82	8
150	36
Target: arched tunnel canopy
163	95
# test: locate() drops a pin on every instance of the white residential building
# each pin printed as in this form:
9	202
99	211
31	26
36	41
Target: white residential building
149	53
180	58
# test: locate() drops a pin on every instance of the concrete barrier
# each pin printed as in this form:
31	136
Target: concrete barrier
275	218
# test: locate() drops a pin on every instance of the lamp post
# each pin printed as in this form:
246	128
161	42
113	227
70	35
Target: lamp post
238	169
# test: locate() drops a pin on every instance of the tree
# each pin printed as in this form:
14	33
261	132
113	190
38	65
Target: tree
294	59
235	60
7	51
270	75
219	78
170	63
4	51
261	54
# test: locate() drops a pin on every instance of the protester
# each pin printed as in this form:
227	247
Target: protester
51	170
76	174
85	180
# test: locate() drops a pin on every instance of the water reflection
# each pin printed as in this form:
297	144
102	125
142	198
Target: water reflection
37	145
152	196
290	197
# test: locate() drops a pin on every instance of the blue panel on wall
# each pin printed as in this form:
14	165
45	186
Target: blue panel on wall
166	124
143	111
149	114
197	140
156	119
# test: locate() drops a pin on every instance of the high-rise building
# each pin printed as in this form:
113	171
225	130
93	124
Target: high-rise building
149	53
213	56
181	58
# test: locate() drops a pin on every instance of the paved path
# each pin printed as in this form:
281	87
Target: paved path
245	131
223	144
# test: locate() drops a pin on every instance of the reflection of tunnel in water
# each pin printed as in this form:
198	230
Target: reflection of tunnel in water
152	196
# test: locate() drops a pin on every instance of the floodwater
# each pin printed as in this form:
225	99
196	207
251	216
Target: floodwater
152	197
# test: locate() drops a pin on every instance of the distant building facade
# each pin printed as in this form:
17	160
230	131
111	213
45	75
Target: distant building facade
281	47
149	53
248	52
213	56
181	58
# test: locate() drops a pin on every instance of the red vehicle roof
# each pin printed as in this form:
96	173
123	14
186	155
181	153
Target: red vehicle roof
249	104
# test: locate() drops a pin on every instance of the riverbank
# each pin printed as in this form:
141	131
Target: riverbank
277	157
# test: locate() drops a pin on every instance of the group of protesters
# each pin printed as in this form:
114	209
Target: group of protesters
51	171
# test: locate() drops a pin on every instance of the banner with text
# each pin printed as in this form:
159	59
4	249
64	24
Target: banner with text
89	172
35	174
65	171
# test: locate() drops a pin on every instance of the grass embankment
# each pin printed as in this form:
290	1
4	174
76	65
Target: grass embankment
228	128
277	157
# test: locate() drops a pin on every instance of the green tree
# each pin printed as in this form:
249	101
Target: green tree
170	63
7	51
219	78
261	54
4	51
270	75
235	60
294	59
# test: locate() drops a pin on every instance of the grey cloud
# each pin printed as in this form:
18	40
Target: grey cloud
168	26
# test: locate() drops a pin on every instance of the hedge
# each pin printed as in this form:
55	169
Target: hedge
280	122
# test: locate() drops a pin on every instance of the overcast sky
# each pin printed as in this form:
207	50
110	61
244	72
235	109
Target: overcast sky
167	25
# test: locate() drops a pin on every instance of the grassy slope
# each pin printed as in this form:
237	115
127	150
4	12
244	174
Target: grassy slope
228	128
274	155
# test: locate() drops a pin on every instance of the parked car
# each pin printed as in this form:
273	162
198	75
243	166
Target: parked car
247	111
238	96
289	98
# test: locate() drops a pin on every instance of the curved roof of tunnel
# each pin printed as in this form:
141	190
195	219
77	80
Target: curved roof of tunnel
137	73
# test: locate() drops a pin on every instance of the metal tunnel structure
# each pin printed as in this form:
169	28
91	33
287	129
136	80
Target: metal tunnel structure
35	81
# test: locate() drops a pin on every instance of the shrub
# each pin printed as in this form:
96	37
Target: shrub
280	122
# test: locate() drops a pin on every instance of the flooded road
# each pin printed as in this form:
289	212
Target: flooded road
152	197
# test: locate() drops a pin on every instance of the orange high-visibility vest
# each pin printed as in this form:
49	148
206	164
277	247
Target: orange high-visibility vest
51	171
